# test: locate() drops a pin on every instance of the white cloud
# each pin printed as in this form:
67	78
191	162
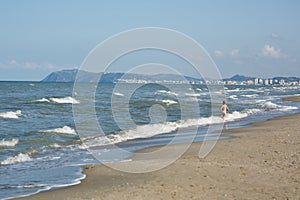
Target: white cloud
218	53
270	51
30	65
234	52
275	36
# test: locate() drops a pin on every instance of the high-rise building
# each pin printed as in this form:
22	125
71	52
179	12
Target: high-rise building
256	81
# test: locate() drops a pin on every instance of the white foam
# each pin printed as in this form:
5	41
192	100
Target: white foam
168	102
274	106
232	97
118	94
63	100
167	92
270	105
250	95
9	143
150	130
260	100
42	100
192	95
234	90
64	130
11	115
70	100
54	145
16	159
235	115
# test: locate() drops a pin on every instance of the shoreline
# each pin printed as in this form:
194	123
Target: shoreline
260	162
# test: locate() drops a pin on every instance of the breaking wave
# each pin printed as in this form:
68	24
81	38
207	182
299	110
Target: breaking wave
166	92
63	130
150	130
118	94
192	95
16	159
168	102
11	115
64	100
9	143
274	106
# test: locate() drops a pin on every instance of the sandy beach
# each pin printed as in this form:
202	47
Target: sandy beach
260	162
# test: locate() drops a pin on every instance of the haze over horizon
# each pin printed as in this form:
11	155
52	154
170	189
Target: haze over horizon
251	38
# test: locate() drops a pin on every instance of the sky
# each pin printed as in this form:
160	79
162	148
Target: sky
252	38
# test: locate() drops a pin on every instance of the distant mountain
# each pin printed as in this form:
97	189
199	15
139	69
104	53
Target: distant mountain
83	76
239	78
70	76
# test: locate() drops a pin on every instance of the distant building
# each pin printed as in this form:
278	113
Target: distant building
266	82
256	81
271	82
250	82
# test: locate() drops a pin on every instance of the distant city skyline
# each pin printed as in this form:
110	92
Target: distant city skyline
252	38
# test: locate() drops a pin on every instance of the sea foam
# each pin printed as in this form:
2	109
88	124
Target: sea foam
16	159
192	95
11	115
63	130
9	143
168	102
274	106
63	100
150	130
166	92
118	94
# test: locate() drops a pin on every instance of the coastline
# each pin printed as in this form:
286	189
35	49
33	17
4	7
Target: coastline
261	162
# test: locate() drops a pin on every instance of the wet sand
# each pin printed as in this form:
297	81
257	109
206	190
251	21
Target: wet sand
261	162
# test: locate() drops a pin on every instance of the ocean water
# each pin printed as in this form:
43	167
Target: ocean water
42	148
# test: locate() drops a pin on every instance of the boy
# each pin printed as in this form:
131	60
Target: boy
224	109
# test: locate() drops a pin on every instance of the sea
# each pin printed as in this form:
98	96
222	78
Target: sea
43	146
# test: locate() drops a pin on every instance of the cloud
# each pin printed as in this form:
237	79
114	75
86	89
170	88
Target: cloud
218	53
30	65
275	36
234	52
270	51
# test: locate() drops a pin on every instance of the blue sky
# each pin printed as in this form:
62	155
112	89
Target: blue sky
255	38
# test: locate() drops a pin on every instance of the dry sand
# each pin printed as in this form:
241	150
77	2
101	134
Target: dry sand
261	162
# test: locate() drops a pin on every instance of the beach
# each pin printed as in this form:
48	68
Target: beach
261	162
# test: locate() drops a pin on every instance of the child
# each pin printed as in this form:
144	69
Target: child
224	109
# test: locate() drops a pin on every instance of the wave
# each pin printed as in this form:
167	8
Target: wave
168	102
118	94
9	143
63	100
273	106
63	130
192	95
54	146
246	90
167	92
11	115
42	100
234	97
16	159
249	95
150	130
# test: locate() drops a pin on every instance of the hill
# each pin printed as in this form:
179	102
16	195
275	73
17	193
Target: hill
83	76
